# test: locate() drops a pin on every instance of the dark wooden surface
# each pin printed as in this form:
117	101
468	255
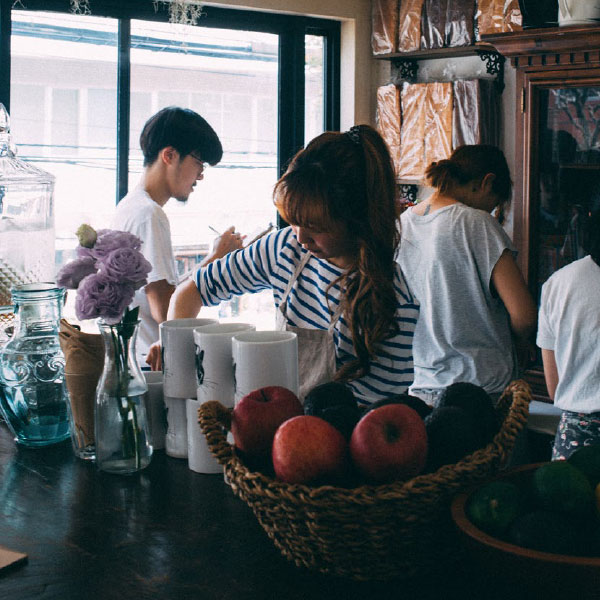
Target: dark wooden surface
165	533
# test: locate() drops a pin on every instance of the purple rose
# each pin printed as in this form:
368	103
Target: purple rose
83	252
73	272
125	265
98	296
109	240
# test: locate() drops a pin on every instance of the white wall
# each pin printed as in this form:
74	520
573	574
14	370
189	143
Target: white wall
358	82
361	74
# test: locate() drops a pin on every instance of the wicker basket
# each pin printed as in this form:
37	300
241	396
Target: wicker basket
397	530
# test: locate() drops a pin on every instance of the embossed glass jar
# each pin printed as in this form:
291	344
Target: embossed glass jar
34	400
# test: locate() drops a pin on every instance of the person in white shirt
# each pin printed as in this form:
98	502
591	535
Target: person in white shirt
568	332
176	143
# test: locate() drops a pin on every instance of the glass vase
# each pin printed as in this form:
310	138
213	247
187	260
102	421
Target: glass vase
120	422
34	399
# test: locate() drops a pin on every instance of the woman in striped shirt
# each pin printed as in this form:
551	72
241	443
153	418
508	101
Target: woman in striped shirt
334	278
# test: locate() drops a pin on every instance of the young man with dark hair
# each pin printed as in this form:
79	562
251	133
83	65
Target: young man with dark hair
177	143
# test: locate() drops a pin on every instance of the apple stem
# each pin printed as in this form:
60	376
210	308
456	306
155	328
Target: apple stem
262	393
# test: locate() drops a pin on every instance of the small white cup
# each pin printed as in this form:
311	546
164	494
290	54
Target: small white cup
200	458
176	442
264	358
179	356
214	362
155	409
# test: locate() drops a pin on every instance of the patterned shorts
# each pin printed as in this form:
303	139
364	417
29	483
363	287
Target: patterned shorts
575	430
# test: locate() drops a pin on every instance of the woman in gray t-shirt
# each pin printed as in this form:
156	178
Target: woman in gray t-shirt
459	263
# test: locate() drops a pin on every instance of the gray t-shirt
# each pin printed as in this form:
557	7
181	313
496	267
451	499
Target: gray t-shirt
463	331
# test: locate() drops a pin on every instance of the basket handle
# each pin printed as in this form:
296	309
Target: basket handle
214	419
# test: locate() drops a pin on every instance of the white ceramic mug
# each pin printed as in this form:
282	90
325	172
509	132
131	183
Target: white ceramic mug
176	442
578	12
264	358
214	362
200	458
155	409
179	356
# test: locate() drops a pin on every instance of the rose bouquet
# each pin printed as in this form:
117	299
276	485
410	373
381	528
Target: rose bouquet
108	270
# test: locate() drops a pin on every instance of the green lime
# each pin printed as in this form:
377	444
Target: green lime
587	460
559	486
494	506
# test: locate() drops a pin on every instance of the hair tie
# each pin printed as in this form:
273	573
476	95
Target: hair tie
354	134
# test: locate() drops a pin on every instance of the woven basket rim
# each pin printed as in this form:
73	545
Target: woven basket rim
368	493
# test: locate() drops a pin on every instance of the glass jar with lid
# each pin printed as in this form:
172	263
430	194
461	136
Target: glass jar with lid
26	219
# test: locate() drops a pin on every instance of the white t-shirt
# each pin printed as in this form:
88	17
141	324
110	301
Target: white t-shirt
140	215
569	324
463	332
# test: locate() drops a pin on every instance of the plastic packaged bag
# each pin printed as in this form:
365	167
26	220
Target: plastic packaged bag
433	23
412	146
490	17
513	21
389	120
476	110
409	25
438	122
384	33
497	16
460	18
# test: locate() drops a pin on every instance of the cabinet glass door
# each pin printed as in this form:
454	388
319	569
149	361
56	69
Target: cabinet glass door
568	183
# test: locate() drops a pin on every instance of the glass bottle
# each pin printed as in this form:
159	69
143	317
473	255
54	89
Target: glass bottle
34	402
120	421
26	218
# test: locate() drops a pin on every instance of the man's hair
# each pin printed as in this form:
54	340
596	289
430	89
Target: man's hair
184	130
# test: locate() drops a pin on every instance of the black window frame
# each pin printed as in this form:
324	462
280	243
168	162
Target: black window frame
291	29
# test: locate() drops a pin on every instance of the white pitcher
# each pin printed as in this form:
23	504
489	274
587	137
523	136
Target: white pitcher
578	12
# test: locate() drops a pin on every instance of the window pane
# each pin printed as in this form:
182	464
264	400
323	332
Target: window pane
314	90
63	112
231	79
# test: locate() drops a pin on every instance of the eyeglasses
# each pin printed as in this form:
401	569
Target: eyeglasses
205	165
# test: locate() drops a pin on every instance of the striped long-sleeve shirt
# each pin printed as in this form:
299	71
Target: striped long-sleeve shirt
270	263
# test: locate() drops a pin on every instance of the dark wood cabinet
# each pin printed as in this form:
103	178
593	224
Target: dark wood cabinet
556	146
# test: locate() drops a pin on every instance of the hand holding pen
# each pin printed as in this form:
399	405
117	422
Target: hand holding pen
227	242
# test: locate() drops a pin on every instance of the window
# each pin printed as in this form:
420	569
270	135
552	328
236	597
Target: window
82	86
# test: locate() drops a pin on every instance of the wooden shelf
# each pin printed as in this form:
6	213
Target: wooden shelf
448	52
523	47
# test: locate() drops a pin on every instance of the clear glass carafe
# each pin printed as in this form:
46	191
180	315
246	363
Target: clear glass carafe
34	395
26	218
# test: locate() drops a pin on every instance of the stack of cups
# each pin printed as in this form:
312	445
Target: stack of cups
179	382
215	379
265	358
155	409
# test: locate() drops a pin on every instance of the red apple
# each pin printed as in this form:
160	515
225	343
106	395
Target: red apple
257	416
389	443
308	449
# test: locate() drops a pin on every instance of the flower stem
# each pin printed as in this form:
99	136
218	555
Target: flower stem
130	433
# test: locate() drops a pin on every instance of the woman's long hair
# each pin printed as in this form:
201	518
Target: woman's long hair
345	182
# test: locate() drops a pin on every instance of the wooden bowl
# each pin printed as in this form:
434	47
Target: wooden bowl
541	572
